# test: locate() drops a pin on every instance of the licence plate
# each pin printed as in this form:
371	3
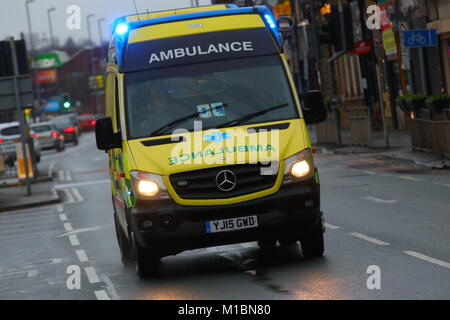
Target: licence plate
231	224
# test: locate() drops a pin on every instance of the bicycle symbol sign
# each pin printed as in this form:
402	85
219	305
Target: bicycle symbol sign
419	38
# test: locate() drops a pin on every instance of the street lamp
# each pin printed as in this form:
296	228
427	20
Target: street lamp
50	25
91	54
27	9
100	35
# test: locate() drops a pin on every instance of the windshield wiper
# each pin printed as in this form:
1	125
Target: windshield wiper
249	116
174	122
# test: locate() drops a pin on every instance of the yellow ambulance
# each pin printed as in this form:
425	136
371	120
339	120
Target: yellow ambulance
206	135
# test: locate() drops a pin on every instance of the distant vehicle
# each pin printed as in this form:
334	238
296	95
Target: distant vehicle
48	136
9	137
68	129
87	122
72	118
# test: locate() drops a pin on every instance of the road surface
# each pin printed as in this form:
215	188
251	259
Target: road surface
387	237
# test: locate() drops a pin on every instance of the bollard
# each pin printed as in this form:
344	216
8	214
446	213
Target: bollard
21	162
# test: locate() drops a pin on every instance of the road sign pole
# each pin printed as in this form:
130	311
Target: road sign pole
423	73
20	114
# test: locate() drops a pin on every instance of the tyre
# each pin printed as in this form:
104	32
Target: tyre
287	242
267	244
126	255
313	244
146	263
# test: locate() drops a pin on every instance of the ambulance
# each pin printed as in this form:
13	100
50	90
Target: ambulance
206	136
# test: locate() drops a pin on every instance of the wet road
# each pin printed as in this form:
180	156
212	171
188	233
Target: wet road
380	216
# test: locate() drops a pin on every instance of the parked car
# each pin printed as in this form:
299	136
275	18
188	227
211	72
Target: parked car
48	136
10	136
87	122
67	129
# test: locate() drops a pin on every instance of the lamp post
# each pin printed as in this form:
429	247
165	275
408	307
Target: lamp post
27	9
91	56
49	11
100	34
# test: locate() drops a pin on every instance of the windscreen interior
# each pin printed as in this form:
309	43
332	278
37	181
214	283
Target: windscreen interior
213	93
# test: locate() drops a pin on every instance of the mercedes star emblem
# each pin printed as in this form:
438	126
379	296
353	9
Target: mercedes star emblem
226	180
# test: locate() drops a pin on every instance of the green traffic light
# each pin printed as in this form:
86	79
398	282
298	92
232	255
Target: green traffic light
67	104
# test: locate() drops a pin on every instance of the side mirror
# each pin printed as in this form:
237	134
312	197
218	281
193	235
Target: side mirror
105	136
315	110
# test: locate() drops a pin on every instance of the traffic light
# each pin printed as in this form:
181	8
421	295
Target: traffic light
67	102
99	80
330	31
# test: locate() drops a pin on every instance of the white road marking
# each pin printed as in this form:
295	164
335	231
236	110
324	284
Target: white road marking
82	256
68	176
59	208
370	172
101	295
370	239
387	175
429	259
378	200
248	244
50	168
69	197
32	273
410	178
68	226
81	230
57	260
110	288
92	275
442	184
61	175
99	158
79	184
77	195
74	240
330	226
63	217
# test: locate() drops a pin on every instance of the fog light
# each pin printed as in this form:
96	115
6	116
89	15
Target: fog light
147	224
300	169
148	188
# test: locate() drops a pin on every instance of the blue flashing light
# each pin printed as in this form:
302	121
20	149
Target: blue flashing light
270	21
122	28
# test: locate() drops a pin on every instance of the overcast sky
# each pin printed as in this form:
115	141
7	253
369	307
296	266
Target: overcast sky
13	15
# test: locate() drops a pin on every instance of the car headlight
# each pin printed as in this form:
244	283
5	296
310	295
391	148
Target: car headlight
298	167
148	186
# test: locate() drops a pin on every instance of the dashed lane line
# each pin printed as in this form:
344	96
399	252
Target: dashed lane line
410	178
59	208
68	226
68	176
330	226
92	275
74	240
367	238
61	175
77	195
442	184
82	255
101	295
63	217
427	258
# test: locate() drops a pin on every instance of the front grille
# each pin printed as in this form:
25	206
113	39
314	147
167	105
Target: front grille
201	184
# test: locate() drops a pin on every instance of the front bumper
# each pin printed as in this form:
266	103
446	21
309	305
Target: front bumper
290	212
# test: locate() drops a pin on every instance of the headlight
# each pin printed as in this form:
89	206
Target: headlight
148	186
300	166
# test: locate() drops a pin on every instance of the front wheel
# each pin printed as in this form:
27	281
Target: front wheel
146	264
313	244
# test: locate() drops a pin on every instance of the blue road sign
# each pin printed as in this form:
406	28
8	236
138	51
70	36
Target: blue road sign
420	38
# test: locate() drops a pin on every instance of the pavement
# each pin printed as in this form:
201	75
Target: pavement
380	215
400	150
13	194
